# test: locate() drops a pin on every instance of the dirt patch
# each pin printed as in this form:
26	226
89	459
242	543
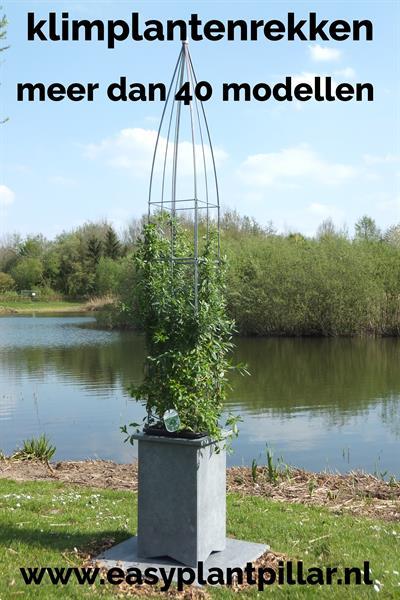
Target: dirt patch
357	493
94	473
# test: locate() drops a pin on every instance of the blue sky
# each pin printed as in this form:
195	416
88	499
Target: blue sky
63	163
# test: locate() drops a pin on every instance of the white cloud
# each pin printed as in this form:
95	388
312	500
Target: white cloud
7	196
323	53
347	72
62	181
291	164
133	149
389	158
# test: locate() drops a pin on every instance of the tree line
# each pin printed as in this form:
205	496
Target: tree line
82	263
278	284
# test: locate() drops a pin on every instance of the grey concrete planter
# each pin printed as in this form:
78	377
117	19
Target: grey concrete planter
182	498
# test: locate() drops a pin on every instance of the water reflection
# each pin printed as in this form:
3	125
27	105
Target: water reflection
318	402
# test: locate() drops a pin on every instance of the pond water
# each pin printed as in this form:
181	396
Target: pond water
318	403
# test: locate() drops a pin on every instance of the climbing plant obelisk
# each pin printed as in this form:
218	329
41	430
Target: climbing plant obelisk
196	196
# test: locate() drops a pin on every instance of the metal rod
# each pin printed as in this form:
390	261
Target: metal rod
192	79
159	132
170	159
175	162
168	138
213	162
196	222
177	129
199	200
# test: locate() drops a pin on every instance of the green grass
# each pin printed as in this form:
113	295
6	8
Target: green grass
43	523
40	306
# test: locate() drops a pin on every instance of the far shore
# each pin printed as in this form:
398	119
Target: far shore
25	307
357	493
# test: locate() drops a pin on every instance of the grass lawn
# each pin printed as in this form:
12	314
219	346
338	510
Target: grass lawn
39	306
53	524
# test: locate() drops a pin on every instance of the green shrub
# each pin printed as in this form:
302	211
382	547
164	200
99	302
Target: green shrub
108	275
186	368
27	273
331	286
45	292
35	449
7	283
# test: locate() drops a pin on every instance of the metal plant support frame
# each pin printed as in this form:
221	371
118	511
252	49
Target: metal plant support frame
160	200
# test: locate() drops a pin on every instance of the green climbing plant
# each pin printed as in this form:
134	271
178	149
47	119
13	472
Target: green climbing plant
188	350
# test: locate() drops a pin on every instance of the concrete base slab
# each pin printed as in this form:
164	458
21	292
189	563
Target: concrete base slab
237	553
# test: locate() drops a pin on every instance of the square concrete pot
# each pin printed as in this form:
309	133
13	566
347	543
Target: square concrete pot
182	498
